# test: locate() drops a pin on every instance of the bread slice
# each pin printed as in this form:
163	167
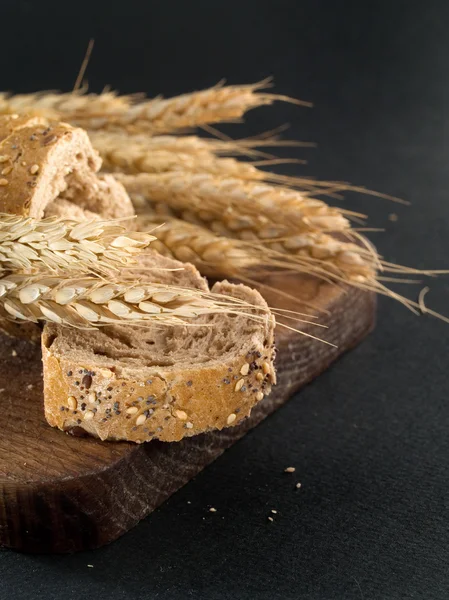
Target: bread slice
42	161
159	382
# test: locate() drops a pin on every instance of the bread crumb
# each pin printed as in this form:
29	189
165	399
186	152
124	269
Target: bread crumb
181	415
13	353
212	509
289	470
298	485
270	519
393	217
275	512
90	566
2	390
30	386
188	502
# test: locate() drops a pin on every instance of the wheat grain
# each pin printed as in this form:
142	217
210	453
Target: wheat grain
246	208
214	256
89	302
92	246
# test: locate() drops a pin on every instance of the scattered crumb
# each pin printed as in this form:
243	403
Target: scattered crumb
13	353
275	512
90	566
24	464
30	386
393	217
212	509
289	470
270	519
298	485
188	502
2	390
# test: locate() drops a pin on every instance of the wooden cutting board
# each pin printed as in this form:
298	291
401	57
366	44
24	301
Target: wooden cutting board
59	493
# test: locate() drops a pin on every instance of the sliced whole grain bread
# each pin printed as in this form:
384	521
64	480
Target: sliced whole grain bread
123	382
159	382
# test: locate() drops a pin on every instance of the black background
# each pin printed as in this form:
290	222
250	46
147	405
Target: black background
370	438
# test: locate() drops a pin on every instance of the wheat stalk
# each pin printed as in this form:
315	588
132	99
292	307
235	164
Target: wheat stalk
89	302
160	115
217	256
133	161
250	210
63	107
53	244
109	111
316	254
107	141
136	154
213	255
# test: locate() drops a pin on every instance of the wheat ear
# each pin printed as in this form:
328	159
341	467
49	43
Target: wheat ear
109	141
90	302
316	254
109	111
251	210
160	115
217	256
135	154
53	244
63	107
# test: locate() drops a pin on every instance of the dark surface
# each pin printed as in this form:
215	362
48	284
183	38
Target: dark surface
369	439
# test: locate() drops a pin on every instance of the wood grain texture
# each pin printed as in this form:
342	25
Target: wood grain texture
59	493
